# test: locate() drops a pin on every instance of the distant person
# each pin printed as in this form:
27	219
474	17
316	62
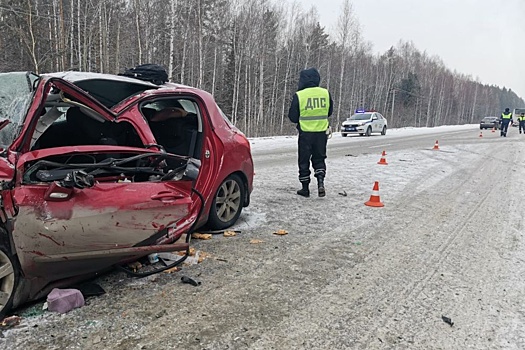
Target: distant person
310	108
521	120
506	119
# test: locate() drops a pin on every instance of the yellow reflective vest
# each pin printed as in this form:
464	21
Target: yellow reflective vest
506	116
314	104
521	118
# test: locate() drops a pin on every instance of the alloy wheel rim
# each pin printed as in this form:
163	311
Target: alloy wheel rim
228	200
7	279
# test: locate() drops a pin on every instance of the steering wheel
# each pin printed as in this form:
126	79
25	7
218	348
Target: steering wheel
158	160
78	179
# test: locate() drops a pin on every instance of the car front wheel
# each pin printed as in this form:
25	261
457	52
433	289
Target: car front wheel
383	132
344	135
8	280
227	204
368	131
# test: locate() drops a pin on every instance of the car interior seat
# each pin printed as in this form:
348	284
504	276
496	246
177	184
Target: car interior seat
87	130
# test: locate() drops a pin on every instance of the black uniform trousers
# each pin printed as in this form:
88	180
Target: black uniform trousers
504	126
522	126
312	147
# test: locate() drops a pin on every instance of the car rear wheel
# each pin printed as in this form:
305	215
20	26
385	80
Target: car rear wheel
383	132
227	204
344	135
368	131
8	280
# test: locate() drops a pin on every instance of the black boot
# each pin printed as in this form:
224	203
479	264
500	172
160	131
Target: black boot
305	192
320	187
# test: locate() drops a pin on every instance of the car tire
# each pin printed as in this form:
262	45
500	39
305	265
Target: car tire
344	135
368	131
8	280
361	134
227	203
383	132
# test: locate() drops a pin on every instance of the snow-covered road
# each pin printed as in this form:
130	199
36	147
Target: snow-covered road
449	242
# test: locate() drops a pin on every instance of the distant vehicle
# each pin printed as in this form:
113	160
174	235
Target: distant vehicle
489	123
517	111
364	123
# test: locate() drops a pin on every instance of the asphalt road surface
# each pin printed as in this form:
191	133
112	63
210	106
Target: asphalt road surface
441	266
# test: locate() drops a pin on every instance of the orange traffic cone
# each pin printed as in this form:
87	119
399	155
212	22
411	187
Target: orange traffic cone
375	201
382	161
436	145
481	134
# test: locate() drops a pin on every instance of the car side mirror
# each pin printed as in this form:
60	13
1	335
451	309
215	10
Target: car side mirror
374	118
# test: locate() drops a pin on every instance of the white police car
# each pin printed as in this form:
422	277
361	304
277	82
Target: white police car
364	123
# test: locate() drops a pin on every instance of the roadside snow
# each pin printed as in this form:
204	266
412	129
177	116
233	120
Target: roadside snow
280	142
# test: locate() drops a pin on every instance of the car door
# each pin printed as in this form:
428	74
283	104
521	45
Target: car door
95	226
375	122
71	231
380	122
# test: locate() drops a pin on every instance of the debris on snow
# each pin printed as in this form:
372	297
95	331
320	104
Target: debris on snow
191	252
447	320
189	280
173	269
10	321
135	266
229	233
64	300
197	235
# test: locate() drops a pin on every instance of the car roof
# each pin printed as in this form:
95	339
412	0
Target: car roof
111	89
75	77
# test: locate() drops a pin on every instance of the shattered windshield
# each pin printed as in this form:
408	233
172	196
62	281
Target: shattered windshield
16	90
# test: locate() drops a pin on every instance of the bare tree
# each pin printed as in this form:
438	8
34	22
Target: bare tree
248	54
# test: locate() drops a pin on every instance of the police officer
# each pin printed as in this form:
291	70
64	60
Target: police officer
521	120
310	108
506	119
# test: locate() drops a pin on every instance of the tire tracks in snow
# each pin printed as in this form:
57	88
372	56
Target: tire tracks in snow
389	246
433	260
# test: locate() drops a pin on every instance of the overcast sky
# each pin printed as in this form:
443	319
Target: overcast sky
482	38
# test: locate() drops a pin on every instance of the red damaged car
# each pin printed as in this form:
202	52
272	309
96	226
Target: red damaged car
97	170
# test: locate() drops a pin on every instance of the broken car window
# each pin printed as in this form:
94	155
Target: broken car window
16	90
65	121
175	124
